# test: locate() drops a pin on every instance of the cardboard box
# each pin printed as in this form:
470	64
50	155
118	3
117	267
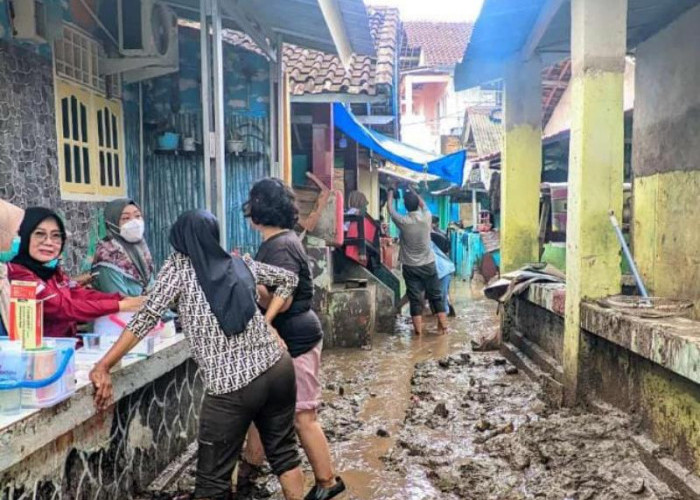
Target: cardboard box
26	314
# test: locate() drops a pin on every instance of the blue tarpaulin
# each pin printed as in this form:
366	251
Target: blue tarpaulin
449	167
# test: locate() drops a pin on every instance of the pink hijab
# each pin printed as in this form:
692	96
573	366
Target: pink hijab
10	218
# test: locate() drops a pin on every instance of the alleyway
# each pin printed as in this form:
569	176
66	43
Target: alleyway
427	419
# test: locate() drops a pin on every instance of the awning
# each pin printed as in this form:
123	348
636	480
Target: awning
507	29
333	26
449	167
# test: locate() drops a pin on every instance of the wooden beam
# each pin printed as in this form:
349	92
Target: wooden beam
351	171
363	119
339	97
549	10
555	84
297	135
322	143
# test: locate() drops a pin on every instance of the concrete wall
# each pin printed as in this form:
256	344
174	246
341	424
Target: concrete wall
666	160
70	451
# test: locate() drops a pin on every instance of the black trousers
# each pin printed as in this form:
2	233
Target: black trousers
269	402
421	279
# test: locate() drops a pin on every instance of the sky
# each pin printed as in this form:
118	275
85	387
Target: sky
434	10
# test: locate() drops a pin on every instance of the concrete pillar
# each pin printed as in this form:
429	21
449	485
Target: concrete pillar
598	46
322	143
522	165
665	152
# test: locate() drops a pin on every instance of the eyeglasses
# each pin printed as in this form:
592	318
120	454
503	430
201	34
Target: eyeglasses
55	237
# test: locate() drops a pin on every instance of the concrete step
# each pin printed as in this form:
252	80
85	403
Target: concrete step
545	361
553	391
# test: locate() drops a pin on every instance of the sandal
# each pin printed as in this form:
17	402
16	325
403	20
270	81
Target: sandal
320	493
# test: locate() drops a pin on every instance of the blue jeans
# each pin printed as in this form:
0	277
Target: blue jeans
445	289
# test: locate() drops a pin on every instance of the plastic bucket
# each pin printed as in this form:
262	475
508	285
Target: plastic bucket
43	383
12	370
112	324
69	380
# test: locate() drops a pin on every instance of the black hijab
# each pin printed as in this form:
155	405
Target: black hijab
34	216
228	284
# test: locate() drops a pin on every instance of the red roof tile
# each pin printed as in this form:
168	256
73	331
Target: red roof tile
442	44
314	72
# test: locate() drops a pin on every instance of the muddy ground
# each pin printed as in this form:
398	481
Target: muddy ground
427	418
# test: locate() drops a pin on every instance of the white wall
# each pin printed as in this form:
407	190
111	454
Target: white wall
419	132
561	117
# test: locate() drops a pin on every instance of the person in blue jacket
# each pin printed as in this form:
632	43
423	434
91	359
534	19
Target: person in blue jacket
445	270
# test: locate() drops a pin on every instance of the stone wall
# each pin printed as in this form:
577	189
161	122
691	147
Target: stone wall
28	160
114	455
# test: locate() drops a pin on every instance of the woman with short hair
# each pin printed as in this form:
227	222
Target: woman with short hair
273	212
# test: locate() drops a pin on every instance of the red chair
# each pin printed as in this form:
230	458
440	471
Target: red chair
362	238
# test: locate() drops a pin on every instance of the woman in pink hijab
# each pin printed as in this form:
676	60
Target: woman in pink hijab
10	218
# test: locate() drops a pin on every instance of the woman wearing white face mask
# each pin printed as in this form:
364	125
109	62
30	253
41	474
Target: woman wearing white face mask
123	262
10	219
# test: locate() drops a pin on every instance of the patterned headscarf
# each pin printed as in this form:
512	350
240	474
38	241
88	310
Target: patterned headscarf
132	259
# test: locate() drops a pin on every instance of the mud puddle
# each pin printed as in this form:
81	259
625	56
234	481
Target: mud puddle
426	418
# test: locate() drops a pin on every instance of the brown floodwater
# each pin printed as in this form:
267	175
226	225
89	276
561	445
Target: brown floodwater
426	418
380	381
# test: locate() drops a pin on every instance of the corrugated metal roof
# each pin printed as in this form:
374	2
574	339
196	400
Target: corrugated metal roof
487	134
299	22
504	26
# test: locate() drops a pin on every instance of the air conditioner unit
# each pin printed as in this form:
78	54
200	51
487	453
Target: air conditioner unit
148	41
33	20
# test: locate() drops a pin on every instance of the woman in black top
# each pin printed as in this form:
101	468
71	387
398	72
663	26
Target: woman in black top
272	210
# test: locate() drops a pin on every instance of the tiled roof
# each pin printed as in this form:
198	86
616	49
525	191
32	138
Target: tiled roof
555	80
442	44
487	134
314	72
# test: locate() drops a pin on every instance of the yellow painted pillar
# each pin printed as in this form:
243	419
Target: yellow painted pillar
522	165
665	159
596	157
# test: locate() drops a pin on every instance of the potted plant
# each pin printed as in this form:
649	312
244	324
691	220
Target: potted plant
235	144
168	140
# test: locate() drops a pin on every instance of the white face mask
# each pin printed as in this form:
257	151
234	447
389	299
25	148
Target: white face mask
132	231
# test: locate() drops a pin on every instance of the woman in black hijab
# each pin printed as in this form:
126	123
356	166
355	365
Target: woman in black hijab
43	237
247	374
